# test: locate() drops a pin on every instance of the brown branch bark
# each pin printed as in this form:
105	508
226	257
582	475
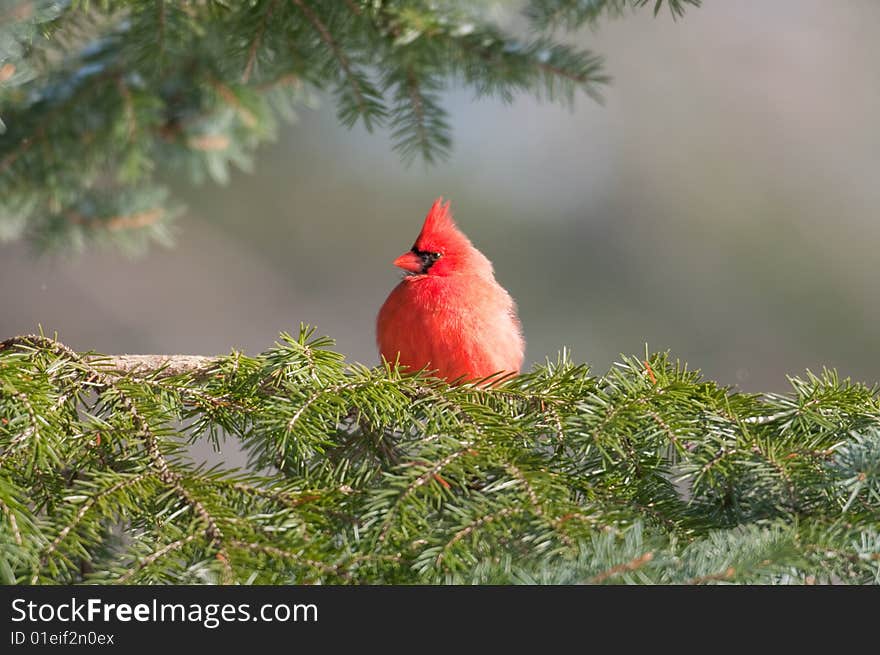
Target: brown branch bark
632	565
166	365
163	365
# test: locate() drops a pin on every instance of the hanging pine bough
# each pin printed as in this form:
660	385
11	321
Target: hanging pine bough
647	474
96	97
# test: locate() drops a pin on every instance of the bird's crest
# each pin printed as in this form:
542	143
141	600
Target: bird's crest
438	224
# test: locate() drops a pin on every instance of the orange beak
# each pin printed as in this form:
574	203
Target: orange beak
409	261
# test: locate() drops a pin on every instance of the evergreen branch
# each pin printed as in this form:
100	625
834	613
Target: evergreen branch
558	71
134	221
476	524
728	574
255	43
533	497
573	14
420	125
171	478
626	567
156	556
13	523
287	79
112	493
39	134
285	554
309	402
112	93
143	429
429	474
78	517
676	7
673	439
418	107
246	116
291	500
25	435
344	63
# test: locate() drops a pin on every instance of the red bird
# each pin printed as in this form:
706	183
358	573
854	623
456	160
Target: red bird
448	314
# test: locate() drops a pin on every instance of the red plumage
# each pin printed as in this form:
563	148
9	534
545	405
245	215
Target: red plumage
448	314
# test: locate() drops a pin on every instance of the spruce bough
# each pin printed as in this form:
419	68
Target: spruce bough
101	101
647	474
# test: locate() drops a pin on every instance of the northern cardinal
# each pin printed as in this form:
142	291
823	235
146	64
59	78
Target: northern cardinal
448	314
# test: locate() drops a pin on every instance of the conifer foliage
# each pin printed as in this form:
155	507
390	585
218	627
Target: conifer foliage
98	97
647	474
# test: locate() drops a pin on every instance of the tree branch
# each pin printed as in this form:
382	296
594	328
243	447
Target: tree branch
163	366
255	43
166	473
337	51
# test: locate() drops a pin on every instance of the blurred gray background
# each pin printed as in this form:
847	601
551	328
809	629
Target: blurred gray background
723	204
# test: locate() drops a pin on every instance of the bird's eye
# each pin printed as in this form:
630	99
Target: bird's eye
436	255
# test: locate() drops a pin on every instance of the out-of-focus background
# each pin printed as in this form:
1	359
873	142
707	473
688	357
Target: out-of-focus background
723	203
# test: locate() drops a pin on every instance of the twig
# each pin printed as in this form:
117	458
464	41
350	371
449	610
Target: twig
287	554
174	545
727	574
228	96
13	524
632	565
26	434
327	38
474	525
288	78
255	44
412	87
418	482
83	510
